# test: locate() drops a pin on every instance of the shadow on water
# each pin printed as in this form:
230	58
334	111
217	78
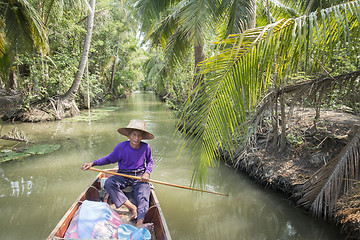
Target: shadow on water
37	191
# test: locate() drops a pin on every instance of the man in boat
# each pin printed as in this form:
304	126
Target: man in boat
134	158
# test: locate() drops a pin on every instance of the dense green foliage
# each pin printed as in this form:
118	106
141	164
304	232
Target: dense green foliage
42	54
115	63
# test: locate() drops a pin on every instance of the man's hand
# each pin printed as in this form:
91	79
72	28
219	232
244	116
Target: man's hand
145	177
86	166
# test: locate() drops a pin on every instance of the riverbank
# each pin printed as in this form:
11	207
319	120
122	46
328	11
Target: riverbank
8	100
310	150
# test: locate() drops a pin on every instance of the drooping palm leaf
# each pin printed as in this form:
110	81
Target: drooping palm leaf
322	190
53	10
149	12
2	38
236	15
182	25
154	68
183	28
23	25
237	78
304	90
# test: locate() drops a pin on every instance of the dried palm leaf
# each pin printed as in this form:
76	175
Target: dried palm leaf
15	135
322	190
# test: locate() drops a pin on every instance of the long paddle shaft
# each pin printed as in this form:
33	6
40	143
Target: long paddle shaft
155	181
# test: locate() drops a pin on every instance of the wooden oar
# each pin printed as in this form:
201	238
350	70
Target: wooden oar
155	181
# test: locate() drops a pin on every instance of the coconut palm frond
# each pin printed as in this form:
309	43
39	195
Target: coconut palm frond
192	19
177	48
183	28
321	191
154	69
164	30
23	25
270	11
172	39
2	45
305	89
237	15
149	11
23	22
219	108
290	8
54	9
238	77
319	84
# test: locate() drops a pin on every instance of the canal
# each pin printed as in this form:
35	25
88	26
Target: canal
37	191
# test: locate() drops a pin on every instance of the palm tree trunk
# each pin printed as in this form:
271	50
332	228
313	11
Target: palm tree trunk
318	106
68	99
113	71
199	57
274	120
13	84
13	79
308	9
283	123
253	17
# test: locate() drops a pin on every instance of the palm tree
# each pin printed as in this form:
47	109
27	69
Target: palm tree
238	79
21	30
181	26
66	102
24	27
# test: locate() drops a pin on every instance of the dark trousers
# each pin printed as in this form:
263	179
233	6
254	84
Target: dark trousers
141	190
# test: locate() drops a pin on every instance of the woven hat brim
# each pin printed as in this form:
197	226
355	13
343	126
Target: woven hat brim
126	131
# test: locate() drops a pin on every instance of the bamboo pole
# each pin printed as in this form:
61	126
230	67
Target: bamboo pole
156	181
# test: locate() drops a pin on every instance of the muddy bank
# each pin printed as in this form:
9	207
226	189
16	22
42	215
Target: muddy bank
14	106
10	103
286	171
9	100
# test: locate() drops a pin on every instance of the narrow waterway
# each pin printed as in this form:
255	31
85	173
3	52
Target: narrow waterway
37	191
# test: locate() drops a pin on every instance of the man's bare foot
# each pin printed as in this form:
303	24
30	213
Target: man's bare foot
133	214
148	226
132	208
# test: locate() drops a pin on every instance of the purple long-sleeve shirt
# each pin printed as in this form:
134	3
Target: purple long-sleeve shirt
129	158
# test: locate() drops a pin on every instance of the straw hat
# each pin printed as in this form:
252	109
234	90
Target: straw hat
136	124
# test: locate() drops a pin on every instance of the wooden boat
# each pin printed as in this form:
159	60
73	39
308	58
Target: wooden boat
154	214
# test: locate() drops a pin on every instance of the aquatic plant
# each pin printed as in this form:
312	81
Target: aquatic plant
15	154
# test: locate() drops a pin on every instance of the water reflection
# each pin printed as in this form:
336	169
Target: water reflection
15	188
22	187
